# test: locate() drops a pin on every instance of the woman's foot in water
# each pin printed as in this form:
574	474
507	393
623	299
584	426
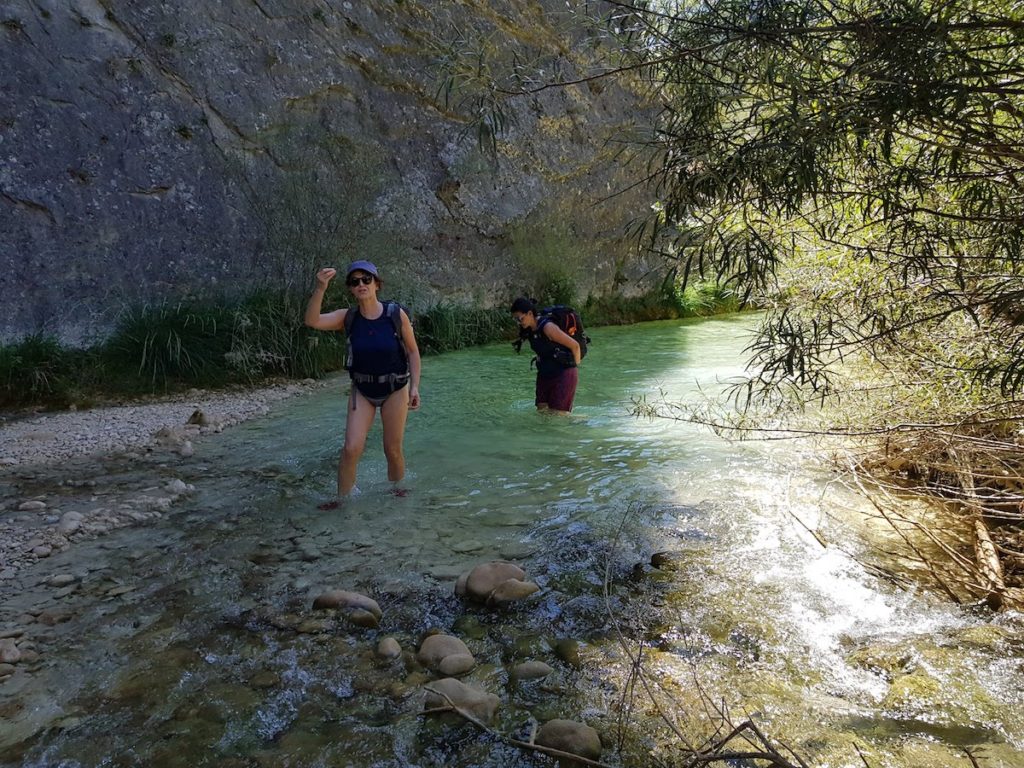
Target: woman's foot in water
399	492
338	502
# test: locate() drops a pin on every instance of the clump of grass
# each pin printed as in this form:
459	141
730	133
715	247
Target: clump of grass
37	369
706	298
445	327
164	344
617	310
269	338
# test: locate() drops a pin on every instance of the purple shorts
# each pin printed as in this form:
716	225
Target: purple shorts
558	391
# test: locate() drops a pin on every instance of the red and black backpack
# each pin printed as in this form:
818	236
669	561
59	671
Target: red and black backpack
568	320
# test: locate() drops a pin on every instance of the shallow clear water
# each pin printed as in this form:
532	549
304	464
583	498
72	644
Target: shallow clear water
210	658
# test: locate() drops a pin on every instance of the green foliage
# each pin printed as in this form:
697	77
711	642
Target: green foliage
214	343
703	298
169	347
874	144
469	63
36	368
617	310
269	338
165	343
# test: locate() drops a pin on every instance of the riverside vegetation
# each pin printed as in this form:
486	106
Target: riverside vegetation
215	343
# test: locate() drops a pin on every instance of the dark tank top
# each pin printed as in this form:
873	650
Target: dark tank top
375	349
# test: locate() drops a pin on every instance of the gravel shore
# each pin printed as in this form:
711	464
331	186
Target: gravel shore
56	437
81	474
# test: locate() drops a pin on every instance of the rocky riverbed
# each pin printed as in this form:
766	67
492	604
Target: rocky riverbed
67	476
67	480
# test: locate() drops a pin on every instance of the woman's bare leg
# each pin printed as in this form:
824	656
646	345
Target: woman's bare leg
357	427
393	415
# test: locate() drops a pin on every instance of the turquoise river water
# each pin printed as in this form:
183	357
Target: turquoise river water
213	655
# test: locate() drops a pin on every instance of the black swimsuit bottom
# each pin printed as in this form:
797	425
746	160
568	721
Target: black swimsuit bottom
376	393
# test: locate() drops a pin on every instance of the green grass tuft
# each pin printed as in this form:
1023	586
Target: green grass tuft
445	327
37	369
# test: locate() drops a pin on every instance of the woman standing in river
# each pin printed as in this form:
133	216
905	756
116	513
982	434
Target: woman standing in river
558	355
383	363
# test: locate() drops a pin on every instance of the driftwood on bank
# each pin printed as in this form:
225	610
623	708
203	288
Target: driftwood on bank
978	483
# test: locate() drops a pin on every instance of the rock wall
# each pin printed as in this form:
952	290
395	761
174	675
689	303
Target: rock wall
156	150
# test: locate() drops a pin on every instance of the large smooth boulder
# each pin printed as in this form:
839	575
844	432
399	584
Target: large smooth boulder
572	737
359	609
531	670
437	649
480	704
495	583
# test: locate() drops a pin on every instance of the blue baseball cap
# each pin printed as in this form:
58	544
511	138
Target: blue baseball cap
365	266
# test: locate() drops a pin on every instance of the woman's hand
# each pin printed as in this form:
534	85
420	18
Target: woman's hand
324	276
414	398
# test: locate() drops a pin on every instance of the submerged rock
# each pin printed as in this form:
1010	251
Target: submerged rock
666	560
9	653
438	649
363	618
568	650
889	661
340	598
388	648
570	736
456	664
916	693
359	609
987	636
451	692
531	670
70	522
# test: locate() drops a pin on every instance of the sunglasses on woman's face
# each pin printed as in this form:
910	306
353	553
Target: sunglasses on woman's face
354	281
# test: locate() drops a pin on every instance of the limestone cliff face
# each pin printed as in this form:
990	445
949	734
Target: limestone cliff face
155	150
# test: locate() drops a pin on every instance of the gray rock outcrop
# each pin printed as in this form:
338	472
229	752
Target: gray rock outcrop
153	151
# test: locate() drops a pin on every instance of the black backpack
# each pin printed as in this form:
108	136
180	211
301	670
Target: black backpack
568	320
393	311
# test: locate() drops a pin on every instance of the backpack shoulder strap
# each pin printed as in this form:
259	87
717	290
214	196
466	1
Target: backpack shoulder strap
350	318
394	312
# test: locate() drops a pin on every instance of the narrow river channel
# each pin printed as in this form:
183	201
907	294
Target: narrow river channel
213	655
